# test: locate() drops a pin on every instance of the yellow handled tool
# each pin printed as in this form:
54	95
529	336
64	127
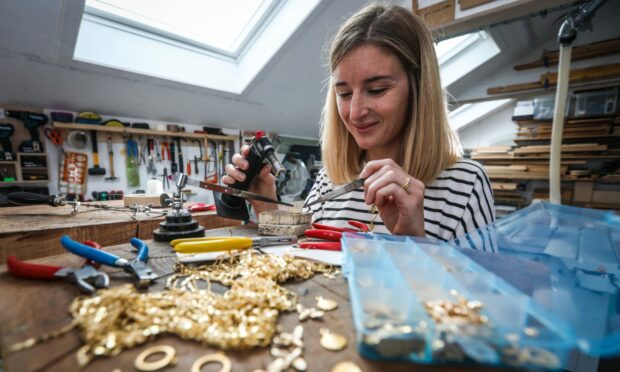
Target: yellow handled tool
227	243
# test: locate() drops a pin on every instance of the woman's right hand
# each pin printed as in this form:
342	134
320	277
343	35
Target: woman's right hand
264	183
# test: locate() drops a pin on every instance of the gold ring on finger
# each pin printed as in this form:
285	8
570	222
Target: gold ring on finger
405	185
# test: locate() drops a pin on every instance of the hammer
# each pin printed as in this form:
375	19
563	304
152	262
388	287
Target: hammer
196	159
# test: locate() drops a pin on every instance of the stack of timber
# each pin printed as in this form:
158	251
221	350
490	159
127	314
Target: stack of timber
590	153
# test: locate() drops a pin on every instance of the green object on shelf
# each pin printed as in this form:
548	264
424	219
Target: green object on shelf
9	179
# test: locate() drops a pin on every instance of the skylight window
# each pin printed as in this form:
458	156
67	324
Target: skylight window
221	45
221	26
460	55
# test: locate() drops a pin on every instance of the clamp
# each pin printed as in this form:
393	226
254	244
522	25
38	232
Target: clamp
87	277
143	274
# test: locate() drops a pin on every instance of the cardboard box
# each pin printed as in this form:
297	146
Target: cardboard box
435	13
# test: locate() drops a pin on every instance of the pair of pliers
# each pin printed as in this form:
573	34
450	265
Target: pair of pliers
143	274
228	243
332	234
87	277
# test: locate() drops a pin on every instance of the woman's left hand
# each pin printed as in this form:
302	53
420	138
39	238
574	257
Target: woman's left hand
398	196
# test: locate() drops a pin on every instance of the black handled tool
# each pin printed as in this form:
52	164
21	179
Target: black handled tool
96	170
261	150
6	130
31	121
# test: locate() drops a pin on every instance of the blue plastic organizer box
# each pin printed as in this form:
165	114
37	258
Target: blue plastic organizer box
526	291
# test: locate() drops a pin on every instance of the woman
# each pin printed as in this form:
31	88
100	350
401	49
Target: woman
384	120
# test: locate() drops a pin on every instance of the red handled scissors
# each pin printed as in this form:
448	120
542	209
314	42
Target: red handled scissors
332	234
55	136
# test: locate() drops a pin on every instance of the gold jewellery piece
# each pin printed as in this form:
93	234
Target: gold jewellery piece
325	304
332	341
346	366
169	358
405	185
212	358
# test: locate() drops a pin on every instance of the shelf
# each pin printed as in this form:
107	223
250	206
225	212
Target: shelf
32	154
8	161
144	132
495	16
25	183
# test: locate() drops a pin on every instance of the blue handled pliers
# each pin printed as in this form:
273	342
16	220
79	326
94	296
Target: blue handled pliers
143	274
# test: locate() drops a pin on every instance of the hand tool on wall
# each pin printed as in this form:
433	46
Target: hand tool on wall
232	206
230	191
31	121
196	159
166	181
142	273
218	244
180	152
6	130
150	143
87	278
96	170
188	168
110	159
131	163
55	137
173	165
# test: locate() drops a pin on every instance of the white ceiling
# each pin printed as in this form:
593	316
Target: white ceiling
36	70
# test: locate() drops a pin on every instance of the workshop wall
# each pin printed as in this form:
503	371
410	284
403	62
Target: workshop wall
119	147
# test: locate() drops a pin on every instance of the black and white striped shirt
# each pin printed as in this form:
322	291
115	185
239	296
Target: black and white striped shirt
458	201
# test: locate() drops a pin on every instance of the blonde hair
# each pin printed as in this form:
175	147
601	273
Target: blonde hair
429	144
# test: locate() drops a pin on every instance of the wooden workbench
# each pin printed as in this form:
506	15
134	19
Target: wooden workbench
34	231
29	308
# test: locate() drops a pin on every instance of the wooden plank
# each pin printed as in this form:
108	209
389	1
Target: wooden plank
548	79
580	52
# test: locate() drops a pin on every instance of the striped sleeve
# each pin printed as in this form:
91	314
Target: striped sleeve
479	210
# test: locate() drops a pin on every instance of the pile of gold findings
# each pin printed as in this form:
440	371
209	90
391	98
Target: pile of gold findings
460	311
243	317
288	350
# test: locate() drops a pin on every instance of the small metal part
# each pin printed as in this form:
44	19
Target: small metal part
326	304
346	366
332	341
220	358
141	363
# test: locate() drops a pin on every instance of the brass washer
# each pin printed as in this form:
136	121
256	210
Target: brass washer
212	358
142	365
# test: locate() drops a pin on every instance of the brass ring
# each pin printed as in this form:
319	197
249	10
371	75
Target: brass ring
405	185
142	365
212	358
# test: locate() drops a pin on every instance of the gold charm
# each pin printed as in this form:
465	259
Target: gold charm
326	304
332	341
169	358
219	358
346	366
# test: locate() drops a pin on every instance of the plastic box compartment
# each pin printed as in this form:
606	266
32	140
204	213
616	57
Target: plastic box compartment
547	289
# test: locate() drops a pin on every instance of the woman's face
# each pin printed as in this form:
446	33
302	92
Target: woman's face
372	95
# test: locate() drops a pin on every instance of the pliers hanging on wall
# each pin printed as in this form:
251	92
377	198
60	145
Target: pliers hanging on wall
87	278
143	274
